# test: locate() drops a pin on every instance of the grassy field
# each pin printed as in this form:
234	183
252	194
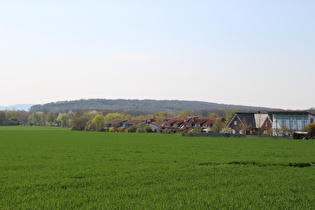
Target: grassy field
55	168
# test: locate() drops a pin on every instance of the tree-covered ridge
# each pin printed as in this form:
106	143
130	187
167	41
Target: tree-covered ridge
170	106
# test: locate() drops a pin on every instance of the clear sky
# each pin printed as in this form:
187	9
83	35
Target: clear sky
244	52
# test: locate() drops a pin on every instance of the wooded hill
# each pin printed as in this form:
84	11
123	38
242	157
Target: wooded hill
139	106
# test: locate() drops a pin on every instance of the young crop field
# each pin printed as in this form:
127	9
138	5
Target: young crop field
55	168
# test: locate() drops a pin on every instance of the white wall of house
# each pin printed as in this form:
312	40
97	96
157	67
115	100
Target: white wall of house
293	121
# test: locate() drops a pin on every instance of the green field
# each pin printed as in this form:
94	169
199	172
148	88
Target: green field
55	168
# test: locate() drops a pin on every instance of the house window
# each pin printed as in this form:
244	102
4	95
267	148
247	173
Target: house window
241	132
233	131
295	125
304	123
235	122
283	123
312	120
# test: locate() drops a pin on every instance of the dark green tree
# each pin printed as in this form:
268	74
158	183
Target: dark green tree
79	122
3	119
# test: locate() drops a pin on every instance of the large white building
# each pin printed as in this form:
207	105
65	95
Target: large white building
291	120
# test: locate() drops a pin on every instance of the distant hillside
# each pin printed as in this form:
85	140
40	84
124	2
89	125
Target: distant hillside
24	107
148	106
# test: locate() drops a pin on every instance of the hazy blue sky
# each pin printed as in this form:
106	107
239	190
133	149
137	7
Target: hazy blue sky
246	52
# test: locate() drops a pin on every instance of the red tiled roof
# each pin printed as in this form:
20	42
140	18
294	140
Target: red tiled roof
150	119
116	121
132	122
169	118
171	121
205	120
189	122
191	119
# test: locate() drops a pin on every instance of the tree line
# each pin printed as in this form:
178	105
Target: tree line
133	106
96	120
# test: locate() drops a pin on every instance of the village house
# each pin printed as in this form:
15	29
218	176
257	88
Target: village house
173	124
205	122
249	123
190	123
287	122
116	123
149	120
129	123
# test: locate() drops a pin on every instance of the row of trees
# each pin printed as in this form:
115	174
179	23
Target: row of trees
91	120
13	117
8	118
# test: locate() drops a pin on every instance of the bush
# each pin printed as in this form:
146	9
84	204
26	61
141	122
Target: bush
132	129
167	131
111	129
310	128
191	132
197	130
144	128
120	129
140	128
226	130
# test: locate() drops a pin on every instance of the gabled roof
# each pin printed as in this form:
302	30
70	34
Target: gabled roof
178	121
212	119
171	121
251	119
247	118
132	122
169	118
201	120
116	121
150	119
174	121
191	119
205	120
260	119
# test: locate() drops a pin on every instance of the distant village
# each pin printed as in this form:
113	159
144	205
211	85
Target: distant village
272	123
260	123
